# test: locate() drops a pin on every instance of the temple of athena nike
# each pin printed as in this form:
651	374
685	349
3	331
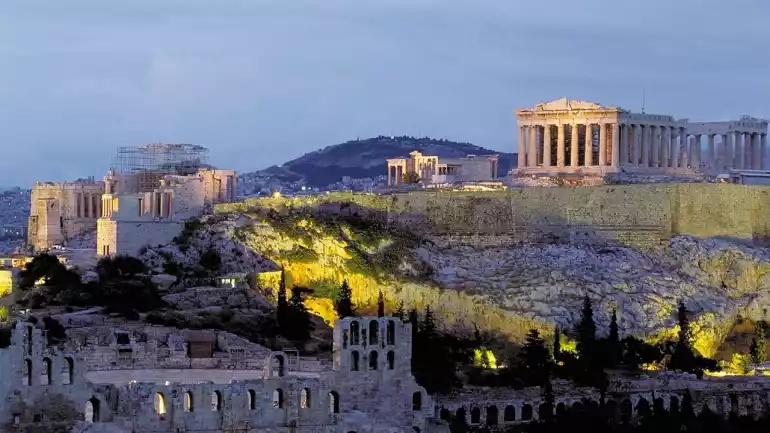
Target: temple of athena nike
567	136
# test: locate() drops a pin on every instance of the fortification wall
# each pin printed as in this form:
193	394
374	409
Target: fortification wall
628	213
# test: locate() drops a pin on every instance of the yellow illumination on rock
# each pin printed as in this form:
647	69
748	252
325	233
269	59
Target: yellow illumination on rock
485	358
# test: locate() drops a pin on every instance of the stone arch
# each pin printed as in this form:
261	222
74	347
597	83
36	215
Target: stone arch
374	332
492	415
216	401
277	364
304	398
544	411
355	332
626	411
445	414
417	401
189	403
160	403
561	410
509	414
643	408
390	333
27	372
252	399
673	405
526	412
68	371
334	402
374	359
391	356
92	410
577	408
734	404
610	409
658	406
278	398
45	375
461	415
475	415
355	358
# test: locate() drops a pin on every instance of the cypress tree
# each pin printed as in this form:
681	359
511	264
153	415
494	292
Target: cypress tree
758	345
533	358
683	357
613	340
282	307
428	323
344	304
556	343
380	305
586	330
400	312
299	325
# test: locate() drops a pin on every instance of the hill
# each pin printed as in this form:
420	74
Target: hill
366	158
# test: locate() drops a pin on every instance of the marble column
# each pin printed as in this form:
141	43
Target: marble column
738	150
532	153
589	147
712	159
560	134
623	145
615	145
748	152
728	151
645	144
547	145
762	151
602	144
522	147
665	146
684	150
655	146
637	145
575	146
676	147
697	159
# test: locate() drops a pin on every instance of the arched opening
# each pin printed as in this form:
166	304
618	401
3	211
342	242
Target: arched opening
252	400
27	372
734	407
417	401
188	402
626	411
334	402
658	407
278	366
373	360
545	411
445	414
278	398
68	369
391	360
509	414
92	410
561	410
460	415
160	403
45	375
610	409
492	416
216	401
354	359
526	412
475	415
578	409
374	332
355	333
643	408
673	406
304	398
391	333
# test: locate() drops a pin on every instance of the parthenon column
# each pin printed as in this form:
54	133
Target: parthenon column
602	144
637	145
756	162
615	145
574	146
532	153
623	145
762	151
665	145
644	132
589	147
712	159
547	145
728	151
560	134
655	147
675	146
738	150
748	151
696	161
522	147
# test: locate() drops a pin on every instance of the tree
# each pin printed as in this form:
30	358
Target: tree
120	266
380	305
344	304
534	358
428	326
210	260
613	341
282	314
586	331
556	343
299	325
410	177
400	313
758	345
683	357
4	315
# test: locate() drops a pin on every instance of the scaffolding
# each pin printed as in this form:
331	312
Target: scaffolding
153	161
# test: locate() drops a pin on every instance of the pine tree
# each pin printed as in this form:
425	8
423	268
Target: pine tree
534	358
380	305
613	340
683	357
586	331
299	323
344	304
556	343
758	345
282	307
400	313
428	326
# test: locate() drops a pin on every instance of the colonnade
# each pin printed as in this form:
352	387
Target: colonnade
87	205
736	150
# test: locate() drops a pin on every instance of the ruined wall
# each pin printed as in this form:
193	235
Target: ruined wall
127	237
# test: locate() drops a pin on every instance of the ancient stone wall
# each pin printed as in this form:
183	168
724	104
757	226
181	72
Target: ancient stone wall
127	237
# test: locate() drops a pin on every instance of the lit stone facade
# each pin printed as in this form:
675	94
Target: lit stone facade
59	211
582	137
472	168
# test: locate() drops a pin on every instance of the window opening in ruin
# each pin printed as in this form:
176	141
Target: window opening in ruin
216	401
122	338
643	407
354	358
561	410
188	402
160	404
304	398
610	409
68	368
475	415
460	414
278	398
673	406
391	333
415	429
28	372
373	360
139	206
734	404
16	419
355	333
374	328
509	415
344	338
334	402
45	377
391	359
279	364
417	401
492	416
252	399
625	411
92	410
29	340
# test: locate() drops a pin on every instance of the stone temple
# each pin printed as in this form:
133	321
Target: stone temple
578	137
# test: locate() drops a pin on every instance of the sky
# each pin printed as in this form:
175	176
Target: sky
262	82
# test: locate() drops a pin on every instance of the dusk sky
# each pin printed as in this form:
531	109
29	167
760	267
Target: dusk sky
262	82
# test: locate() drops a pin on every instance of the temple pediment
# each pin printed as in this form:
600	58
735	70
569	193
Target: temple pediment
566	104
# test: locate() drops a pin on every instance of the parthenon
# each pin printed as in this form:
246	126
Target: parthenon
566	136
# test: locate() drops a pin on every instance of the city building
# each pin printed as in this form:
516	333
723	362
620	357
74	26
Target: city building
431	170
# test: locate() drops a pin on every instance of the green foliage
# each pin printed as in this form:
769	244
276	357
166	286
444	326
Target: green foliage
210	260
189	229
120	266
410	177
298	254
399	312
684	358
47	267
758	348
4	314
556	343
586	330
282	314
380	305
297	327
534	359
344	304
325	288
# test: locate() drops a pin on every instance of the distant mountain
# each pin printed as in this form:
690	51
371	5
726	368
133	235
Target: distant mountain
366	158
